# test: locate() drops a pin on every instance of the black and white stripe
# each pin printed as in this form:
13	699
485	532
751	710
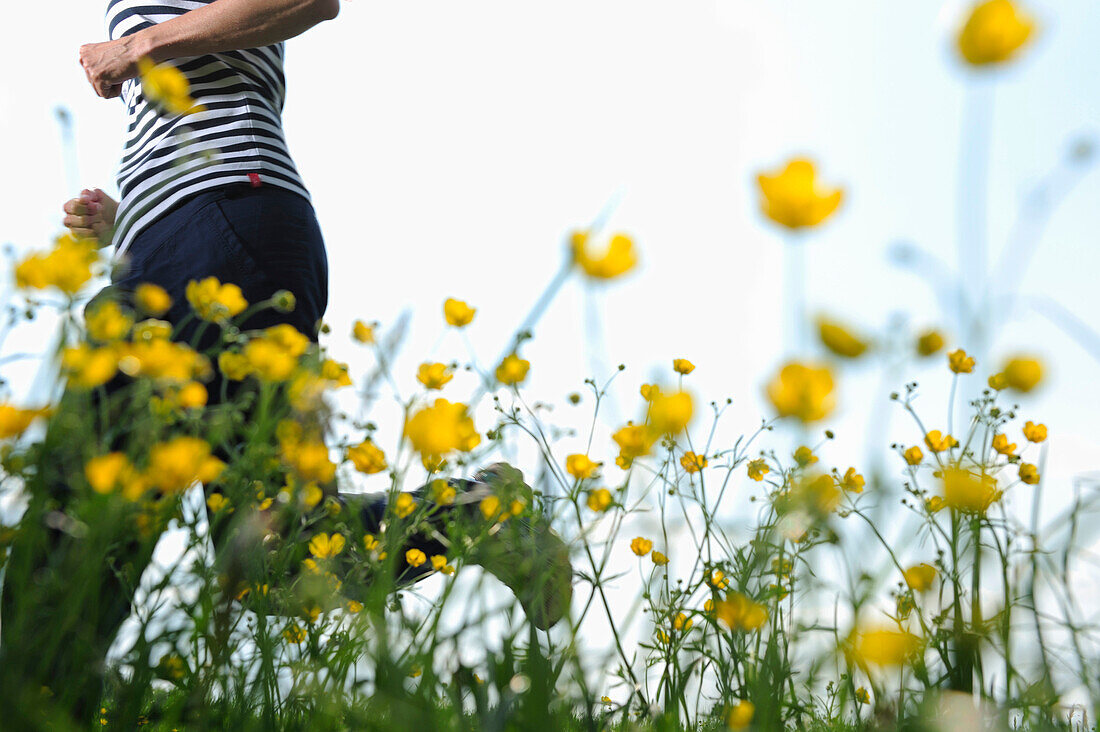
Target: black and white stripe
168	157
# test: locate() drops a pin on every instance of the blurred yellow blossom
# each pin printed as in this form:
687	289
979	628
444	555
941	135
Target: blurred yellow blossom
512	370
740	716
938	442
741	613
152	299
457	313
68	266
717	580
362	332
658	558
404	505
415	557
581	467
758	468
883	647
1003	446
166	85
693	463
913	455
211	300
959	362
599	500
107	322
434	375
1028	473
969	493
640	545
803	391
367	457
920	577
669	414
176	464
682	366
310	460
234	365
490	507
862	696
151	329
15	421
634	442
89	367
852	481
192	395
217	502
105	472
793	198
804	456
994	33
840	340
929	343
649	391
335	372
1035	432
442	428
682	623
1023	373
997	382
324	546
618	259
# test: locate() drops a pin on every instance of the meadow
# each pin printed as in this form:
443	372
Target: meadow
919	591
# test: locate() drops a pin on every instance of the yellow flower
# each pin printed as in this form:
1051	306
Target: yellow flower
176	464
934	504
883	647
434	375
937	442
920	577
15	421
1002	445
295	633
1035	432
213	301
443	494
441	429
959	362
367	457
192	395
993	33
669	414
803	391
804	456
967	492
634	441
741	613
415	557
323	546
457	313
840	340
997	382
108	323
757	469
151	329
740	716
682	366
1023	374
852	481
404	505
235	366
512	370
618	259
682	623
217	502
354	606
658	558
362	332
369	542
310	460
152	299
640	546
335	371
67	267
913	455
693	463
717	580
819	494
490	507
105	472
168	86
162	360
929	343
599	500
581	467
648	391
1028	473
862	697
792	198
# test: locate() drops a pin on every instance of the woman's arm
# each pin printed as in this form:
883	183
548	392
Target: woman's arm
223	25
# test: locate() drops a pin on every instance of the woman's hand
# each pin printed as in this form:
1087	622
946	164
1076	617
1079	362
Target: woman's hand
91	216
109	64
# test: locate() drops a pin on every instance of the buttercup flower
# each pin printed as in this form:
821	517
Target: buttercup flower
1035	432
367	457
404	505
67	267
89	367
15	421
176	464
793	198
512	370
599	500
913	455
658	558
840	340
757	469
457	313
741	613
959	362
152	299
883	647
634	441
693	463
804	456
618	259
938	442
214	301
167	86
969	493
434	375
108	322
1022	373
920	577
802	391
997	382
363	332
1003	446
441	429
1028	473
682	366
862	696
929	343
648	391
740	716
669	414
581	467
682	623
994	33
852	481
640	546
415	557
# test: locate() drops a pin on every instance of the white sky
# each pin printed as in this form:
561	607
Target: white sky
450	146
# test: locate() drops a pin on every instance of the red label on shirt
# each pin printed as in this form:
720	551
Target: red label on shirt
255	178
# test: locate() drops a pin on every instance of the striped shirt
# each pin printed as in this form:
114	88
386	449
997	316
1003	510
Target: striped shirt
237	139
